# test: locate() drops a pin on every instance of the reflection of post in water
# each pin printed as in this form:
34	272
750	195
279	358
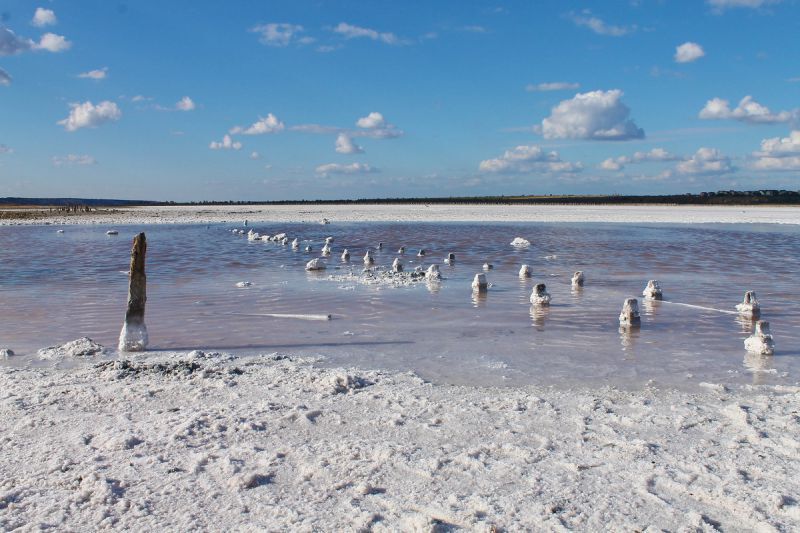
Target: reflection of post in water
759	365
650	306
576	291
433	285
628	336
746	323
539	315
479	298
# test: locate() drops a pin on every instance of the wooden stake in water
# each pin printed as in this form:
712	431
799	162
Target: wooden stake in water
133	337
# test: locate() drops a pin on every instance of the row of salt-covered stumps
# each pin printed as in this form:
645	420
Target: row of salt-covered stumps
760	342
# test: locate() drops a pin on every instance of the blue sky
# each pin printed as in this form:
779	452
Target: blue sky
194	100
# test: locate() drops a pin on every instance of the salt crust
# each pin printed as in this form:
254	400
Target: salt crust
181	443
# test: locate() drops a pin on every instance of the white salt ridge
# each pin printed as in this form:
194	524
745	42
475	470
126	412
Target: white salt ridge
83	347
279	444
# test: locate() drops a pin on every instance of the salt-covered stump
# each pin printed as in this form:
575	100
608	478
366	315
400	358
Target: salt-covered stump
278	237
653	290
519	242
761	341
368	259
133	337
450	259
328	240
285	241
630	313
315	264
326	250
380	246
5	353
345	255
540	296
112	232
479	283
433	273
244	284
308	248
577	279
421	253
401	250
525	272
488	266
749	306
397	265
295	244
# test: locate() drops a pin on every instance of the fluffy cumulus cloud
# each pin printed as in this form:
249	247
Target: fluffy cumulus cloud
185	104
88	115
268	124
70	160
337	168
779	153
371	121
349	31
721	5
5	78
552	86
53	43
97	74
748	111
11	43
227	143
345	145
654	155
526	159
281	34
599	26
44	17
598	115
688	52
375	126
706	162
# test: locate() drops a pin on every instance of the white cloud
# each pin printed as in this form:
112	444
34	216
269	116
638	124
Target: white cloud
552	86
268	124
88	115
688	52
140	98
654	155
720	5
345	145
779	154
748	111
474	29
5	78
185	104
53	43
598	115
255	155
280	34
11	44
73	160
4	149
44	17
525	159
349	31
226	144
97	74
371	121
337	168
706	161
597	25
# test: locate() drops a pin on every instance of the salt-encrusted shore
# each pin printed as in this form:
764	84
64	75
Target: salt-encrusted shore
426	213
185	442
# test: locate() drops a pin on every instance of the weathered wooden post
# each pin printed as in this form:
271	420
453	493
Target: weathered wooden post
133	337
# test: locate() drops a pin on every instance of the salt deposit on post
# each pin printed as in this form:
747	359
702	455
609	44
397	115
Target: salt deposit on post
450	259
133	337
761	341
577	279
326	250
380	246
749	306
630	313
328	240
368	259
519	242
345	255
421	253
653	290
540	296
5	353
479	283
397	266
433	273
488	266
401	250
112	232
315	264
244	284
295	244
308	249
525	272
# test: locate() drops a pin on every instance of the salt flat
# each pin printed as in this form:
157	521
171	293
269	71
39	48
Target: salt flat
431	213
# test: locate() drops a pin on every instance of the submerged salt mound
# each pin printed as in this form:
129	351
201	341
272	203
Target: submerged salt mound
381	276
519	242
83	347
244	284
315	264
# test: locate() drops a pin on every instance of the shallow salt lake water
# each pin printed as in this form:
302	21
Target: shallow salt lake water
58	287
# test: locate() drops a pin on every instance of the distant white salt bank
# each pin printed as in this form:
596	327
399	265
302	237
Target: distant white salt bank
519	242
83	347
243	284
